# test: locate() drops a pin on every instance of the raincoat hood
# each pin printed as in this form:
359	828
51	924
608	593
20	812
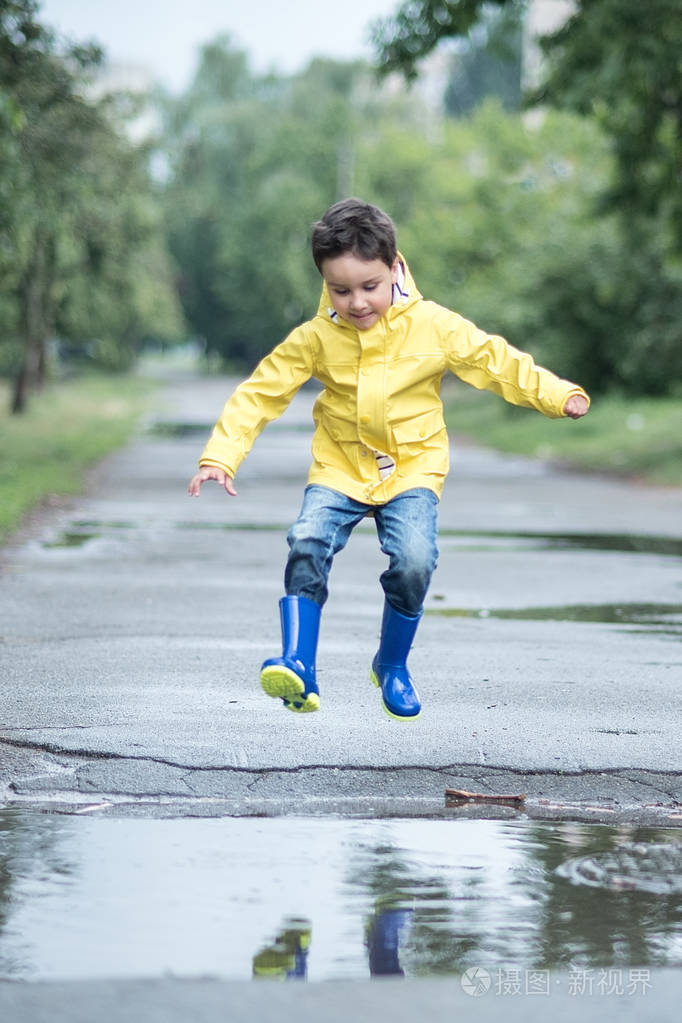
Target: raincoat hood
405	294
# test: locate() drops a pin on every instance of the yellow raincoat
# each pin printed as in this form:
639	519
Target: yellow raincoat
381	393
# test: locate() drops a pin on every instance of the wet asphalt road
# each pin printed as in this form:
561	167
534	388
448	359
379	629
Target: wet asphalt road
134	620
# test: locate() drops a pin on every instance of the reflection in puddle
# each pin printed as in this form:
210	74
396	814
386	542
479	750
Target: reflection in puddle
636	866
286	957
327	898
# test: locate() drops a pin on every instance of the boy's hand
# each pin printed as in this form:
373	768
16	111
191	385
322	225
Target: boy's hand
576	406
211	472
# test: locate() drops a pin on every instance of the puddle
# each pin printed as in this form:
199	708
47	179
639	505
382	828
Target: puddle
166	428
648	615
327	898
87	529
633	866
100	525
82	532
237	527
70	539
617	542
170	429
609	614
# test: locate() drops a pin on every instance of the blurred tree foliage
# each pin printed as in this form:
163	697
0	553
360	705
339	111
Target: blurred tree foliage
562	232
496	216
252	163
82	252
497	222
418	26
619	62
613	292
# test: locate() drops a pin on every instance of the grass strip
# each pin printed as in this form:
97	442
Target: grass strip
635	437
66	429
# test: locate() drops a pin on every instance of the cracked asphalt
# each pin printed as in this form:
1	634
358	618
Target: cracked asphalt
134	620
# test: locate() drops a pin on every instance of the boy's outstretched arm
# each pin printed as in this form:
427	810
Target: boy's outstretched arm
211	472
576	406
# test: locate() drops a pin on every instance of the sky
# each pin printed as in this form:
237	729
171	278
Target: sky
164	35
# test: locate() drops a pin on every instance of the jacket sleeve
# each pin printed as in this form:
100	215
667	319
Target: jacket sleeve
258	400
487	361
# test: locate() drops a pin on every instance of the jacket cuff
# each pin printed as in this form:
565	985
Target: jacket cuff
572	393
217	465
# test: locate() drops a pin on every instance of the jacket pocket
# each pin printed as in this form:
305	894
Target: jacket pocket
422	445
418	430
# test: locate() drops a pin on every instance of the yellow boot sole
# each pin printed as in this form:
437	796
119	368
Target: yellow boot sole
282	683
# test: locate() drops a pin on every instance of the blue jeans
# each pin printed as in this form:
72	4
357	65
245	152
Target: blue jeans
406	526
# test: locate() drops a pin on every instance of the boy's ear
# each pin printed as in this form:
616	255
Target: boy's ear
394	270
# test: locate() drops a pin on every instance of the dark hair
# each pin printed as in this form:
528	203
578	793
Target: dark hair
354	226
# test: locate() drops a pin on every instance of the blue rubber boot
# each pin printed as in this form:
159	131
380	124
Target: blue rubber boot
389	669
291	677
386	934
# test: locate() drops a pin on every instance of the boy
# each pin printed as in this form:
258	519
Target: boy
380	445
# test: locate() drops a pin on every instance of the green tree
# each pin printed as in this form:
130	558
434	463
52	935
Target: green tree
618	285
617	61
252	163
419	25
28	250
488	213
79	214
116	288
496	217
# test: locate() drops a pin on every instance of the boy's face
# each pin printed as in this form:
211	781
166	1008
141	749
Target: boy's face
361	290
